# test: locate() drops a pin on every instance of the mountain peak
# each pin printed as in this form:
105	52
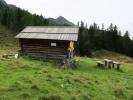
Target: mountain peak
61	21
60	17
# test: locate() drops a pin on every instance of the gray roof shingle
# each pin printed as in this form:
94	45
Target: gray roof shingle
69	33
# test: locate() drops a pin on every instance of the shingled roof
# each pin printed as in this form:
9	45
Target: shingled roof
69	33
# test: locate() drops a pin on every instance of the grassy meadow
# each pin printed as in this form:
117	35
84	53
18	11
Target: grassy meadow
27	79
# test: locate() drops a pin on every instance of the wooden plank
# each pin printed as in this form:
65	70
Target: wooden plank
100	63
42	48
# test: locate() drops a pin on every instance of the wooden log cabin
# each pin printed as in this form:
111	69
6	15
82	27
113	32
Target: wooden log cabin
47	41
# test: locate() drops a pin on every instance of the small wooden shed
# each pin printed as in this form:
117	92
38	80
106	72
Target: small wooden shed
47	41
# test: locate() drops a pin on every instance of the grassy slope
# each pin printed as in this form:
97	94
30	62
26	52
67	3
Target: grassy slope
25	79
103	54
7	40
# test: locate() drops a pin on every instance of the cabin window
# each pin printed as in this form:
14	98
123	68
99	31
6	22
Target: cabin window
53	44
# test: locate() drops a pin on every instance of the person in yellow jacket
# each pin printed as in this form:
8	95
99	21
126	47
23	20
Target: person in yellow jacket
71	49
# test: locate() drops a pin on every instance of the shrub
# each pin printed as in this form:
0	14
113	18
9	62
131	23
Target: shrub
74	63
70	63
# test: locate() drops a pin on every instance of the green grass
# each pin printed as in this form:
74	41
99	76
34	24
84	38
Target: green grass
26	79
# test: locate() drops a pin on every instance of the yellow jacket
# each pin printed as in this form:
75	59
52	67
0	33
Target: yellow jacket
71	46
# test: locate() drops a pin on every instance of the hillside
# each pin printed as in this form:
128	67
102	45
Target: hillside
7	40
3	3
104	54
16	18
25	79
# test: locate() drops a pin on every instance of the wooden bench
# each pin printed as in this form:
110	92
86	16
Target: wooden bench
100	64
117	65
108	63
8	56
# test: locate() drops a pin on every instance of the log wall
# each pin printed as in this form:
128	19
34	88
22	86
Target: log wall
43	49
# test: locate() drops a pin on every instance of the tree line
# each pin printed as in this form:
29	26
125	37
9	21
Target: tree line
16	19
95	38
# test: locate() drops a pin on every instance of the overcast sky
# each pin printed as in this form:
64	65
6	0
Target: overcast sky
118	12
